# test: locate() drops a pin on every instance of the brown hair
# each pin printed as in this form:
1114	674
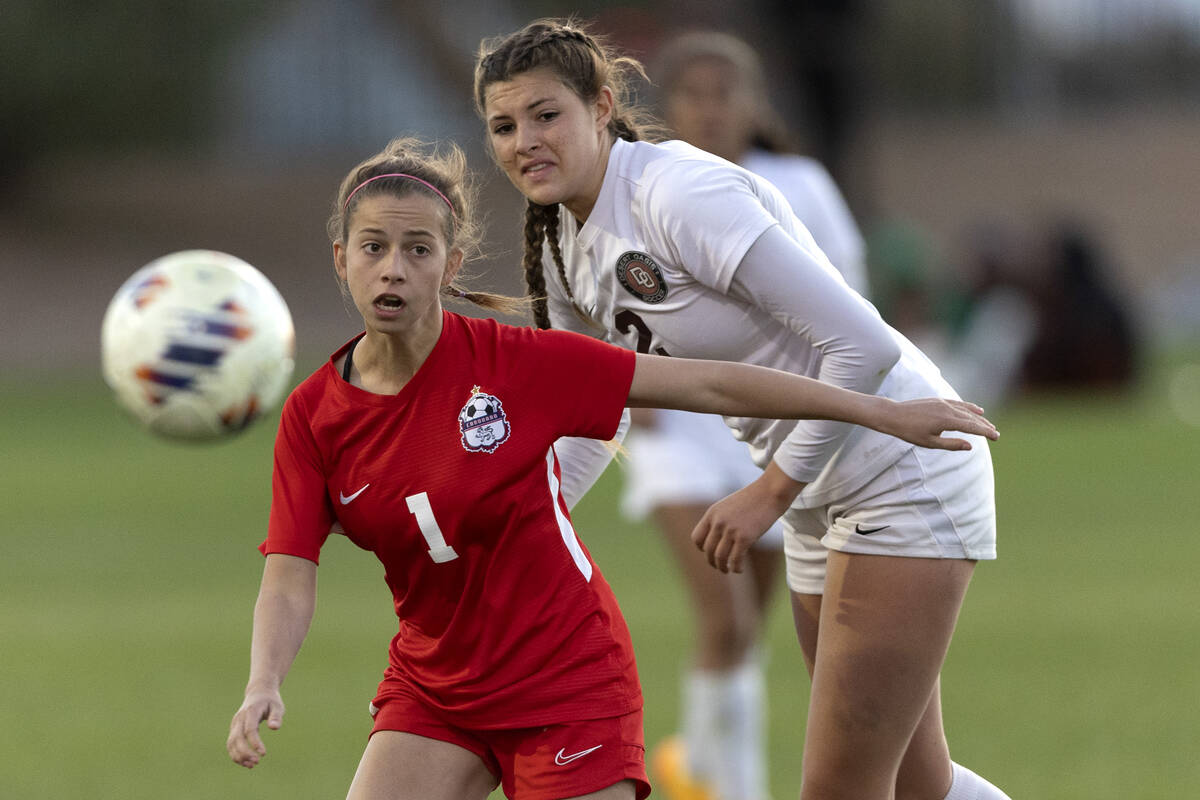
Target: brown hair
677	55
444	168
584	63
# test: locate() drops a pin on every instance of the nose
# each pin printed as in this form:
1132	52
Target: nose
527	139
395	269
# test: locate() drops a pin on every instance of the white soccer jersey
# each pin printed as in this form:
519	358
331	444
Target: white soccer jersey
652	270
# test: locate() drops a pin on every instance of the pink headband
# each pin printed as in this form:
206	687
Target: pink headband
421	181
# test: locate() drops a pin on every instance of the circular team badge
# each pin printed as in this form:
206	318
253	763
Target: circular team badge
641	277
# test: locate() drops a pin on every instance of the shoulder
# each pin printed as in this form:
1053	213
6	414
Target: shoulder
683	175
503	345
317	385
481	329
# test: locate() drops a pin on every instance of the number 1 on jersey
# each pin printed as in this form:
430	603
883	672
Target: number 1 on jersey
439	551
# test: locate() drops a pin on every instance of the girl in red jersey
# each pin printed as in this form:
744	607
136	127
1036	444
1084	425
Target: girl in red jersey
429	440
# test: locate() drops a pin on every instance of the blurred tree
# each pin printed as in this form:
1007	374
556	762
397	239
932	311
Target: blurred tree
110	76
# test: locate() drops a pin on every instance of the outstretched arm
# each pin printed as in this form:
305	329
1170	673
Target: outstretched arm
282	615
744	390
731	526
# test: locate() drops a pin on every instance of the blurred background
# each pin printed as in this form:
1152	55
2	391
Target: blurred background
979	143
1027	177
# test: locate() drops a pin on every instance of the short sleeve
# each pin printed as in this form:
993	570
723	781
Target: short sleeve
706	215
587	381
301	516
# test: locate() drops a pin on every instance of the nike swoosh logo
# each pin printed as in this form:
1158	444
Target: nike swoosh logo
346	499
861	531
561	759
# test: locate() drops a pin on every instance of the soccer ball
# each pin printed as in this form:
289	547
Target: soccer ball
197	344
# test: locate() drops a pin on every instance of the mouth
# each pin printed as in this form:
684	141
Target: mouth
536	167
388	303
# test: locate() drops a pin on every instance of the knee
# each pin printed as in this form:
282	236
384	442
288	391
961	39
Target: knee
839	785
727	640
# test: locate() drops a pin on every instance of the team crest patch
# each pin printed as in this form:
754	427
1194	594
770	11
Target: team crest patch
482	422
641	277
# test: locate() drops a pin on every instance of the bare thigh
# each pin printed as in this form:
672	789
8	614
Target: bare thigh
404	766
624	790
875	644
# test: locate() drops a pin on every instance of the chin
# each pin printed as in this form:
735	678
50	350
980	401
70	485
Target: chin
542	195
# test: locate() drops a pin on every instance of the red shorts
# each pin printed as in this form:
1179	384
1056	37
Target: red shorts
547	762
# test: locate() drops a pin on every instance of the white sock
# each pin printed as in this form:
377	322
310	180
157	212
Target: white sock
723	730
969	786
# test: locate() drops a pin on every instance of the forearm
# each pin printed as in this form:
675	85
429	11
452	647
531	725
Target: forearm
744	390
282	616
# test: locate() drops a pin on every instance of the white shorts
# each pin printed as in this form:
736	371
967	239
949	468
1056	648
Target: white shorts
686	459
928	504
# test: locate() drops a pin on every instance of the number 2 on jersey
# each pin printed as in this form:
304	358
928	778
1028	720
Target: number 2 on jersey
439	551
626	318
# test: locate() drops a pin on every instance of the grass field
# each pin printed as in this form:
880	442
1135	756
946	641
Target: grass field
129	573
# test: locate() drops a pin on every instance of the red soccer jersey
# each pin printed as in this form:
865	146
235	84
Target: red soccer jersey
453	483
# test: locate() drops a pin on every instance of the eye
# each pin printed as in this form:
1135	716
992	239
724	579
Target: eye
502	129
547	116
422	249
374	248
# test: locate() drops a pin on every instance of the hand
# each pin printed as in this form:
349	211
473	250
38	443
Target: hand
731	526
244	744
922	422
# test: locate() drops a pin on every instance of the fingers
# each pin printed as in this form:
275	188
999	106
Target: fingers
707	540
719	544
969	406
275	718
975	422
244	745
980	426
719	556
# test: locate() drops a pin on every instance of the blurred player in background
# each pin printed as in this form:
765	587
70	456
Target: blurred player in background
714	96
666	249
430	440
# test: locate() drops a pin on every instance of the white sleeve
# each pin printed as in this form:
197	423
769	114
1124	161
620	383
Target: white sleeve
705	216
857	347
582	461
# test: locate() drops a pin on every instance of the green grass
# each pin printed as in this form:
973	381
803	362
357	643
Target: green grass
129	572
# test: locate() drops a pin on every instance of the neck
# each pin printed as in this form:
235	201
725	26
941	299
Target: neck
386	362
581	206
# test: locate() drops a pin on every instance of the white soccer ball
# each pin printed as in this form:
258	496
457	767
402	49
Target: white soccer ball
197	345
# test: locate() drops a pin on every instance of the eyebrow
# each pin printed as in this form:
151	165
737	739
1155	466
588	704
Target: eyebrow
529	107
409	232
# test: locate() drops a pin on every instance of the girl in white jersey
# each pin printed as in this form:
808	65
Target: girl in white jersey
666	249
713	95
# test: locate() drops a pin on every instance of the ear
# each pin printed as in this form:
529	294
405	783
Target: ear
454	263
339	260
603	106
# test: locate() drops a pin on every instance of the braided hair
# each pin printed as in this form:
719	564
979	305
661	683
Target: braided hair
584	64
